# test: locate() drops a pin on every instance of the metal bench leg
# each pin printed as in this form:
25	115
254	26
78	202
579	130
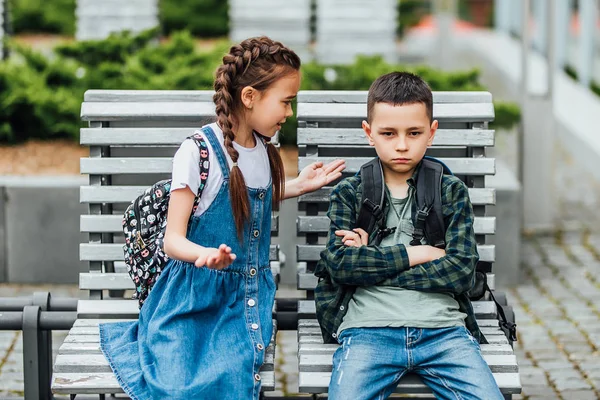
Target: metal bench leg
508	396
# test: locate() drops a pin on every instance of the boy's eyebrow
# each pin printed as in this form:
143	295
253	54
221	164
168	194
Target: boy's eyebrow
386	128
290	97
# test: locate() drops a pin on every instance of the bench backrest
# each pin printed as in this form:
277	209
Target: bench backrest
132	137
329	127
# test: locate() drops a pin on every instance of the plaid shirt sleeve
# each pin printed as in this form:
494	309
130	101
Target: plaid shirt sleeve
455	272
356	266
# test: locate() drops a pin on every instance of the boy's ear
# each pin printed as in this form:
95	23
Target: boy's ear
367	128
249	96
433	130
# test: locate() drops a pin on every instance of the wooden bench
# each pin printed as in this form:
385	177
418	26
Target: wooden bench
132	137
329	128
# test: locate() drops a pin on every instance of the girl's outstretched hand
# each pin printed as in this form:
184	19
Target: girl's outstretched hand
316	175
215	258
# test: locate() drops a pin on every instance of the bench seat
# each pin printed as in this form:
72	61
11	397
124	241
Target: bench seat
81	368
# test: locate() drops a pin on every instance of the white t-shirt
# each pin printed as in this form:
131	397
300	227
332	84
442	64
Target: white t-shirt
254	163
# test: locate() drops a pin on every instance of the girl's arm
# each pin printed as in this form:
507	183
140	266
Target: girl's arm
176	244
313	177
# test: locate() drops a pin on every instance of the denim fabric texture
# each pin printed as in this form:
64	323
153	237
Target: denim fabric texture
202	333
370	362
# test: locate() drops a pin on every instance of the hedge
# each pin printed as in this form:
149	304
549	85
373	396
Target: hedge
40	97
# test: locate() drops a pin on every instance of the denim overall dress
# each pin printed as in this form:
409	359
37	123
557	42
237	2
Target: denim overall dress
202	333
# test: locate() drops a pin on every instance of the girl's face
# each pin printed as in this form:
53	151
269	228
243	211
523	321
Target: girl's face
274	105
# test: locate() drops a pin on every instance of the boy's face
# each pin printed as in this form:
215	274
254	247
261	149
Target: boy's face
400	135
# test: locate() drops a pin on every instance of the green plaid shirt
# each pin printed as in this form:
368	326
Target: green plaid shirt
341	268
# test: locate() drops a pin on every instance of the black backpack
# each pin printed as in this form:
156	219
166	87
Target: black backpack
428	221
144	225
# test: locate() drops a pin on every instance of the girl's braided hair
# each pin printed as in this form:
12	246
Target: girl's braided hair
256	62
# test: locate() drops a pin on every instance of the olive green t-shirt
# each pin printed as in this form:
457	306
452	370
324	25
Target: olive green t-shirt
387	306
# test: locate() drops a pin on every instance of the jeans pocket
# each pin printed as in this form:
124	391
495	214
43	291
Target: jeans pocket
471	338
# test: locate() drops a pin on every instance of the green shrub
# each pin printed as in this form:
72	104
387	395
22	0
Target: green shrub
41	97
205	18
50	16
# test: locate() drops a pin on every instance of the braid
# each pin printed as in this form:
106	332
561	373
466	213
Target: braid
250	63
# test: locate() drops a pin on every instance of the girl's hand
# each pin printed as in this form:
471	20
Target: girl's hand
356	237
213	258
316	175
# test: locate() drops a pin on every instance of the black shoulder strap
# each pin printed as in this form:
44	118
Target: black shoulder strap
429	220
370	217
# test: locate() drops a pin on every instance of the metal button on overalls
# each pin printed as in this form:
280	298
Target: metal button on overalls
256	233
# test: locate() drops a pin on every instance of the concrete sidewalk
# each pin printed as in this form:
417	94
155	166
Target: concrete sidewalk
557	308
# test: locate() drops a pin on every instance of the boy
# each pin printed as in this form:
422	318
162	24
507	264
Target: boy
396	308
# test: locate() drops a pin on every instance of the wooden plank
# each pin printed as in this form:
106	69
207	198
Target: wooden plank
320	224
459	166
478	196
105	383
311	252
122	281
113	223
133	136
323	363
147	111
97	363
443	112
114	252
110	194
350	137
318	382
147	96
360	96
108	309
163	165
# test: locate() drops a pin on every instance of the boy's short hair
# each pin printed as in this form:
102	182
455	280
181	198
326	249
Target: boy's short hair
399	88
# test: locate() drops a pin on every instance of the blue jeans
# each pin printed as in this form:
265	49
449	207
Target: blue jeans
370	362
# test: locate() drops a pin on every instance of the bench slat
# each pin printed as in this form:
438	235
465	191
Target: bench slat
317	382
122	281
133	136
311	252
478	196
105	383
443	112
113	223
360	96
114	252
350	137
306	136
95	95
163	165
320	224
193	112
125	194
459	166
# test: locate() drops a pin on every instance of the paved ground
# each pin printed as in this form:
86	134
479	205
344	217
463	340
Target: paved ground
557	309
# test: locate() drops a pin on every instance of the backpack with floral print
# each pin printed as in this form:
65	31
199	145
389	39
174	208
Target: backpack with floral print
144	225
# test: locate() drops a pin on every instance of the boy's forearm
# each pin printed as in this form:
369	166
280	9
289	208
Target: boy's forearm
365	265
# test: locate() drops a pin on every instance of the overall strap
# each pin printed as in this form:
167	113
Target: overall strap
216	145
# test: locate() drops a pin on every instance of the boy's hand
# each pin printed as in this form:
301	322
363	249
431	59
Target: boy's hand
356	237
215	258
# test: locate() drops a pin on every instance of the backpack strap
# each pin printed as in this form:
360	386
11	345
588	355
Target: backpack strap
203	167
370	216
429	219
218	149
509	326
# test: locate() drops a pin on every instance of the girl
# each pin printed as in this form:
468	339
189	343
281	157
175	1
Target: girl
204	328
